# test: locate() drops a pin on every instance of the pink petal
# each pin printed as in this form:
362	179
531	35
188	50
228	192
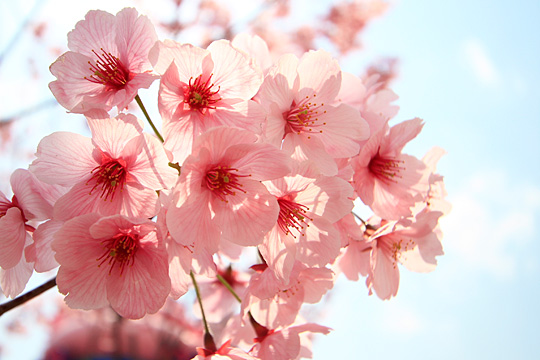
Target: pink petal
112	134
144	286
245	218
43	237
13	238
14	280
319	73
310	150
255	47
191	224
260	161
400	135
279	252
64	158
135	35
355	260
150	168
233	72
34	206
344	129
71	87
385	276
188	59
96	31
320	245
179	267
247	115
80	275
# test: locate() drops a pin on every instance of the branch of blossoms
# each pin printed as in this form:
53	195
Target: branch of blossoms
273	149
27	297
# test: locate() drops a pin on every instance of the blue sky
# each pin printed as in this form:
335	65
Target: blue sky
470	69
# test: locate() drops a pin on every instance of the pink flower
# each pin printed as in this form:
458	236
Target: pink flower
219	193
107	63
283	344
273	304
368	96
29	202
226	351
355	256
309	204
201	89
298	96
415	246
385	179
117	171
112	260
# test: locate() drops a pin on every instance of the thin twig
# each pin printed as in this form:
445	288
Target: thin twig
26	297
229	287
139	102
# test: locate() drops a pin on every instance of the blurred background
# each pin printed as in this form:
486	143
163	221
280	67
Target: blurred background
470	69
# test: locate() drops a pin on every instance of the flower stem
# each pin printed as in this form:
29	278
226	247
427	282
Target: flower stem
358	217
139	102
229	287
208	340
26	297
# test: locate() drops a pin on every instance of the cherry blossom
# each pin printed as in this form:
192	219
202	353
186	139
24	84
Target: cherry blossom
116	261
28	204
201	89
219	193
309	204
415	246
107	63
298	95
117	171
273	304
387	180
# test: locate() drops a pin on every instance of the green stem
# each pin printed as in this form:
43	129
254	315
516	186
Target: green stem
139	102
208	339
26	297
229	287
359	218
200	300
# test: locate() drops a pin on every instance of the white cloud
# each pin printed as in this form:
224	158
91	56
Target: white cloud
481	64
491	223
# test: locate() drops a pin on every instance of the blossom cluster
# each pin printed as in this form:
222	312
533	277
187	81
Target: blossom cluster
258	154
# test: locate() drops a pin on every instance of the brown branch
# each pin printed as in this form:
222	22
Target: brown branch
26	297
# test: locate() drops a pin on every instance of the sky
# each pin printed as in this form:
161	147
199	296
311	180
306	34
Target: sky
470	70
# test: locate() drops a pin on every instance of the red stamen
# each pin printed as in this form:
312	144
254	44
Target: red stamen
292	215
199	94
108	71
223	181
303	117
121	250
386	169
111	175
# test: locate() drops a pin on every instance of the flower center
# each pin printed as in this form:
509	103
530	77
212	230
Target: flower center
109	176
303	117
121	250
199	95
386	169
223	181
292	215
108	71
394	248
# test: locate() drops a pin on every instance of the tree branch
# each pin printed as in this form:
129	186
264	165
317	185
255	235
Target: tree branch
26	297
